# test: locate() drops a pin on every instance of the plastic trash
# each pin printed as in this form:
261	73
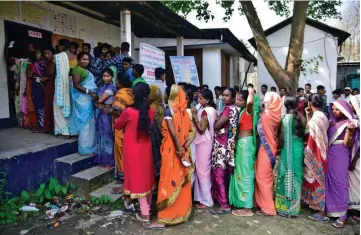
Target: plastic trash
106	225
64	208
51	213
129	207
29	208
116	213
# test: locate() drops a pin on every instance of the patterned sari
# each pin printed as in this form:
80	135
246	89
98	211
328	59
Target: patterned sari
104	128
122	100
290	171
267	129
223	157
338	161
174	201
82	121
354	176
156	102
313	187
38	91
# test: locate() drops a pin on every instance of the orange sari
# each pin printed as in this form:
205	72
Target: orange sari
123	99
267	130
174	191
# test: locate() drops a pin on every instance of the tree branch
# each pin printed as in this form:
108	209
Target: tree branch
273	67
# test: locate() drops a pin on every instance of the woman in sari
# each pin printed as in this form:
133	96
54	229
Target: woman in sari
343	145
174	201
49	84
103	121
315	160
137	150
156	102
122	100
241	189
267	128
354	169
83	94
38	89
27	108
203	121
290	166
223	151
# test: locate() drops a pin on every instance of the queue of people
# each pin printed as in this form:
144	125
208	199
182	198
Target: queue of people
234	149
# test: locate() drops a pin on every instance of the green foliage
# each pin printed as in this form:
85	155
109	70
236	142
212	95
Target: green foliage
319	10
102	200
311	65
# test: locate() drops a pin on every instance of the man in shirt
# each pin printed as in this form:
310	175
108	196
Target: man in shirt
307	90
138	71
274	89
282	92
355	91
301	100
346	94
336	95
160	79
218	100
118	60
127	69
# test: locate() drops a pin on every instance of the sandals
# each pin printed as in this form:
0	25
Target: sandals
339	224
153	226
241	214
221	212
262	213
318	217
201	206
139	217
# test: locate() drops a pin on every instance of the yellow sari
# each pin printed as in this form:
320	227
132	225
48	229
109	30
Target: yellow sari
156	102
123	99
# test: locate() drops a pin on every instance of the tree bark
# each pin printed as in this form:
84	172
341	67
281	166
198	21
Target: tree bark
295	48
278	74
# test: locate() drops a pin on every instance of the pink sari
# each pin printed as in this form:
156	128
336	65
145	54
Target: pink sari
267	130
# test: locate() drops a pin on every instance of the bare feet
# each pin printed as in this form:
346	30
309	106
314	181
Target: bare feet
242	212
201	206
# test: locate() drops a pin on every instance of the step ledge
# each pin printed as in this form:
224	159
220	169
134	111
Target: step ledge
91	173
75	157
107	191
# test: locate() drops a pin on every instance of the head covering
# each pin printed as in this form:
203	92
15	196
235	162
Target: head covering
273	104
346	109
347	88
155	100
355	102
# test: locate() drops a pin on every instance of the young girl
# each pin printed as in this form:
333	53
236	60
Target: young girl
103	121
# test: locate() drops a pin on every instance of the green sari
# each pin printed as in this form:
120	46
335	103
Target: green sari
241	187
290	171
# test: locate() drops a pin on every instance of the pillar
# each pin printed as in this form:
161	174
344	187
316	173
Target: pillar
126	28
180	46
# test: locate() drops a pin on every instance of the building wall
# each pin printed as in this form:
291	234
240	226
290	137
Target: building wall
212	67
317	43
89	29
342	72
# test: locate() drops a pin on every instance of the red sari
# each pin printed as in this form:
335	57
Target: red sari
49	99
138	167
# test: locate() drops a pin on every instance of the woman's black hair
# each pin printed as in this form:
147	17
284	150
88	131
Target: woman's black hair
96	52
208	95
291	103
64	42
167	90
233	91
81	54
244	94
189	94
112	53
124	81
74	44
109	71
315	100
48	48
141	92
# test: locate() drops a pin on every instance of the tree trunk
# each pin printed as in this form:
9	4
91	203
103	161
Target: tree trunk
273	67
295	48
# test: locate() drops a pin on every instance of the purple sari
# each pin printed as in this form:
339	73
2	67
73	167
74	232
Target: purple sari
104	129
338	161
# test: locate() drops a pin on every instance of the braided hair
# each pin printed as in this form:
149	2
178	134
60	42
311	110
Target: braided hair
291	103
141	92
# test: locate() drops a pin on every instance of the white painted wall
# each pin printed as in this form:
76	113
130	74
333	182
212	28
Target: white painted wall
233	73
212	67
316	43
4	95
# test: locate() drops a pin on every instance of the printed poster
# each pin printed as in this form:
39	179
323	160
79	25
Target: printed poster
185	69
151	58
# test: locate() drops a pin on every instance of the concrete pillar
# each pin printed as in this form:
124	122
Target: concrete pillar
180	46
126	28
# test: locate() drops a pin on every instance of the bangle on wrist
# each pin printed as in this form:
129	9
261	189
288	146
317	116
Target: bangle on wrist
87	91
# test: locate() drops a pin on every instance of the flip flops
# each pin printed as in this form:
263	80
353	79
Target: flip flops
138	217
262	213
153	226
338	224
248	214
318	217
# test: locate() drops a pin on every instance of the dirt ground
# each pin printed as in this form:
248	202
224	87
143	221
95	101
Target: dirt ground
201	222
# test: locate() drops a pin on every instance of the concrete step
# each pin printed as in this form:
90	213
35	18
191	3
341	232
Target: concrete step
91	179
66	166
107	191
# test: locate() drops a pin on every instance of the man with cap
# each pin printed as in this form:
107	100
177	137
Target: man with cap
346	94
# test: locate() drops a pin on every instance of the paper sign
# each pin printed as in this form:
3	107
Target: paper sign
151	58
185	69
34	34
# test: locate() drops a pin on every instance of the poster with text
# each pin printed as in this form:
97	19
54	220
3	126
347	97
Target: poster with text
184	69
151	58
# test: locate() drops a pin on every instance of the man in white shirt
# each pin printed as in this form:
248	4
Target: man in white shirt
335	95
346	94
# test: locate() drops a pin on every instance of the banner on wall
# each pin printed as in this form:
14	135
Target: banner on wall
185	69
151	58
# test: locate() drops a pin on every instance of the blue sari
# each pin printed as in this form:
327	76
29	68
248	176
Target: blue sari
82	121
104	129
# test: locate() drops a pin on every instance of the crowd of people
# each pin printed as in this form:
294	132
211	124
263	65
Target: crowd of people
234	147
